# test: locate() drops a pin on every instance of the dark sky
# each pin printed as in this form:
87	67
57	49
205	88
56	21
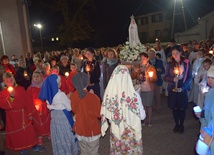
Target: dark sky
110	18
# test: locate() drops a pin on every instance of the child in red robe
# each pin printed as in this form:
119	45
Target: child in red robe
41	118
73	68
20	134
65	87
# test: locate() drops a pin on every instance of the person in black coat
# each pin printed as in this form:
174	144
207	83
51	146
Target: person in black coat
23	74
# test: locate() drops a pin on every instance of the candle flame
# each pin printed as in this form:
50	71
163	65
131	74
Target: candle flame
66	74
151	74
10	89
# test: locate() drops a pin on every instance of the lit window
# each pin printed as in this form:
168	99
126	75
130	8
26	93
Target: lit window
52	39
57	39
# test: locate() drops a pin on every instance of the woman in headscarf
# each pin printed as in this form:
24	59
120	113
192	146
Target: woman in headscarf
86	107
62	138
123	108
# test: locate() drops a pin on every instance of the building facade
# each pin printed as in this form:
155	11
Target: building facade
152	26
14	28
203	31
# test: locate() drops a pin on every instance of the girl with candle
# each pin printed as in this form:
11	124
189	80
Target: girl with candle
23	74
62	138
42	115
178	100
73	68
19	108
147	86
94	71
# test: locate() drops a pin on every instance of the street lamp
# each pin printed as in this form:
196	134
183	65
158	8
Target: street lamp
39	26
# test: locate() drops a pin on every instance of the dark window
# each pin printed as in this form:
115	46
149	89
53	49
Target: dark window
157	18
144	20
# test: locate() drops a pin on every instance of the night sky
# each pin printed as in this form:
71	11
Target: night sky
110	18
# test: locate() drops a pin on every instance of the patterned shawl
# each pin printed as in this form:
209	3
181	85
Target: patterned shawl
120	105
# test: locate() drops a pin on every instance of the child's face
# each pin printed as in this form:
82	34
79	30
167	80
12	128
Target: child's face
47	70
22	64
53	62
9	81
210	81
37	78
73	68
206	66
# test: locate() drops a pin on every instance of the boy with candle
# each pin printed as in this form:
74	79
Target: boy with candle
19	108
73	68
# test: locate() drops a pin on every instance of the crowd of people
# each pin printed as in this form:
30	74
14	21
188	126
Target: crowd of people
72	96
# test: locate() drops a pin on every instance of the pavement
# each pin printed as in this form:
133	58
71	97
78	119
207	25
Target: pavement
157	140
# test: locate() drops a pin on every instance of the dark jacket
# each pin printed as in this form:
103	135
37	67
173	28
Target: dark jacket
107	71
21	79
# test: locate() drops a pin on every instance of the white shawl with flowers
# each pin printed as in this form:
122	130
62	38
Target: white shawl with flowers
120	104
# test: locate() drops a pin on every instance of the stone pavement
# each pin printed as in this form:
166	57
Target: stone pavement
158	140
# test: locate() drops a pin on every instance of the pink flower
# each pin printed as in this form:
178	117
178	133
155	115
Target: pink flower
135	99
117	144
128	99
115	116
133	105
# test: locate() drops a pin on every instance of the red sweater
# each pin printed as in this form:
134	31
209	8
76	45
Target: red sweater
87	111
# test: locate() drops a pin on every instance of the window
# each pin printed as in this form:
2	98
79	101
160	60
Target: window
157	18
144	36
144	20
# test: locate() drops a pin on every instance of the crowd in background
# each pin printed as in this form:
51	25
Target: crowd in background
35	73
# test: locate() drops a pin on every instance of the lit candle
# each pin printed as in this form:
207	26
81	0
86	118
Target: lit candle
211	52
66	74
81	57
87	68
176	71
10	89
25	73
151	74
205	89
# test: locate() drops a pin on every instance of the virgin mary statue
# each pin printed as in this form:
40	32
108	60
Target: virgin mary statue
133	33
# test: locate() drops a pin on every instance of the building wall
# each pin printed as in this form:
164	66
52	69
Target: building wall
15	29
153	25
203	31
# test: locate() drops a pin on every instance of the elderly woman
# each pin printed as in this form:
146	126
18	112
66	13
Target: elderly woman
179	76
109	64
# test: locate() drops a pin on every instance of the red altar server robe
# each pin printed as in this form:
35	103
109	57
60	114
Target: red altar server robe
20	134
69	81
65	87
41	118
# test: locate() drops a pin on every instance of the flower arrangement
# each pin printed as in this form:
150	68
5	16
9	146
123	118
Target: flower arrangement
131	54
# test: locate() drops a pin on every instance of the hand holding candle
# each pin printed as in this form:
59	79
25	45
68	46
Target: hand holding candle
176	71
66	74
10	89
151	74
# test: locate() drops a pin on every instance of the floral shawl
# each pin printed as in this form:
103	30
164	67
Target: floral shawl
120	104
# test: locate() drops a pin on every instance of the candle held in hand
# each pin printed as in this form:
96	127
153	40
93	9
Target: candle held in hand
66	74
176	71
87	68
151	74
10	89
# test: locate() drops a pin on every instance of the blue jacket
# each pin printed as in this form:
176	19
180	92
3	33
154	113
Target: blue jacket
158	64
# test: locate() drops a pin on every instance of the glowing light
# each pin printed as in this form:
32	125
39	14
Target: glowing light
39	26
66	74
211	52
87	68
176	71
151	74
10	89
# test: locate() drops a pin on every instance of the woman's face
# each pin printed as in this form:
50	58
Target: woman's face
111	55
144	60
176	55
89	55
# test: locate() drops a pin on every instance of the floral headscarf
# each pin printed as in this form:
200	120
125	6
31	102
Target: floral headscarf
120	104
